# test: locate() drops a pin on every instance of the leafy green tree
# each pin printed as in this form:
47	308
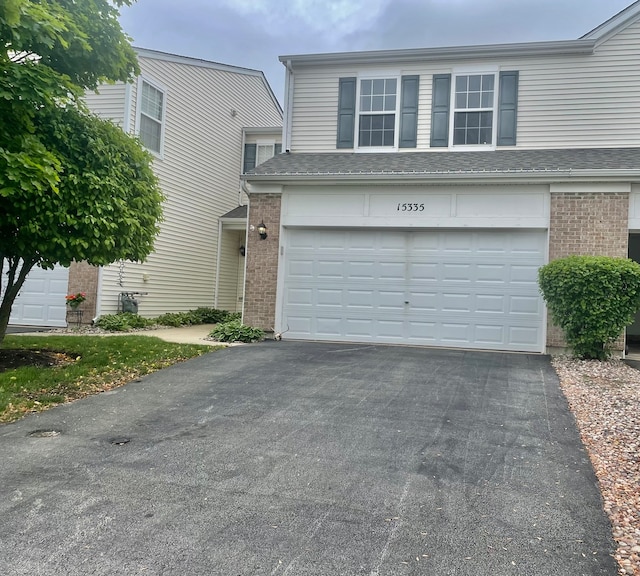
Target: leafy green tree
592	298
72	186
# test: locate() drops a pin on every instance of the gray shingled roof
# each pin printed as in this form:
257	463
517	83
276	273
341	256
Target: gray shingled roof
435	163
239	212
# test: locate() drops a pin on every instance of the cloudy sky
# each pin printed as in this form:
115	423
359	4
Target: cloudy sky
253	33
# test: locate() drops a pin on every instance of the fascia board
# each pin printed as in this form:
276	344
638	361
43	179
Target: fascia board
528	49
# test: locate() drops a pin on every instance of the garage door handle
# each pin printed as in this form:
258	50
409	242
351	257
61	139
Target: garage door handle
406	301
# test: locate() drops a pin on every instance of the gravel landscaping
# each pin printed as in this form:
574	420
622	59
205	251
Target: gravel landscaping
605	399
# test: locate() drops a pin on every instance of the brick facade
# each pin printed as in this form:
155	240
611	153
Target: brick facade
83	278
262	262
592	223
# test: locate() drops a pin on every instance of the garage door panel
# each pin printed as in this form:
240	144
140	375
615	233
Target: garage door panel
41	300
530	305
471	289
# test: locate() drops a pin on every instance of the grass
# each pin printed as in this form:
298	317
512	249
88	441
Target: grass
90	365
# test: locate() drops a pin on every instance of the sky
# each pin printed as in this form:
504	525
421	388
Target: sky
253	33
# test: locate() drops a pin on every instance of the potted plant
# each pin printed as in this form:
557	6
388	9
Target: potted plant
74	300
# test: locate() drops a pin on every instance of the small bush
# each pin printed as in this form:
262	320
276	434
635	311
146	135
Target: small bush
176	319
123	322
235	331
592	298
210	315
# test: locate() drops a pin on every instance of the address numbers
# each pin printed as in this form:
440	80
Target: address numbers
410	207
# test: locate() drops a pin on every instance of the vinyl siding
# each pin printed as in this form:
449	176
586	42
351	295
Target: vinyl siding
581	101
109	102
231	271
199	175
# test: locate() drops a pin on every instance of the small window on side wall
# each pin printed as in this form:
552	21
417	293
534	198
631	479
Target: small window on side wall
151	115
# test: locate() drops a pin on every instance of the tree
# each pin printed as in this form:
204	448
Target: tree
72	186
592	298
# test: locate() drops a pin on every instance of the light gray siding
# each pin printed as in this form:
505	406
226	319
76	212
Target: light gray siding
206	109
567	101
109	102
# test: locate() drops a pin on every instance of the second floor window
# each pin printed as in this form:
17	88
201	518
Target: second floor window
474	101
151	121
378	111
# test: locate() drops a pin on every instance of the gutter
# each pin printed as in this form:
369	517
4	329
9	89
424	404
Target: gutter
579	47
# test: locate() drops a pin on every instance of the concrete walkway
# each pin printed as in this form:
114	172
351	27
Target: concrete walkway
181	335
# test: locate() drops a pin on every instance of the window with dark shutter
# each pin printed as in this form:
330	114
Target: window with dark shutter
249	157
440	105
508	108
409	112
346	112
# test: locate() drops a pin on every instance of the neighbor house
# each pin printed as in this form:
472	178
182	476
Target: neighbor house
420	190
196	118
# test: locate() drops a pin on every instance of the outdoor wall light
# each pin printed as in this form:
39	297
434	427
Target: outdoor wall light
262	230
243	250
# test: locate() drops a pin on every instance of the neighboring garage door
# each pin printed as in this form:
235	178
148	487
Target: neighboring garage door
41	301
464	289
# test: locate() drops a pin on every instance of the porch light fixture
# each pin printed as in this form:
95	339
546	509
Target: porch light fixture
262	230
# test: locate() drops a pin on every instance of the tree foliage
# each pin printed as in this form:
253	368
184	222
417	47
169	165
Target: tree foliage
592	298
72	186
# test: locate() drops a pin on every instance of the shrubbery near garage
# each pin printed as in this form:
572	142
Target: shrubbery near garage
592	298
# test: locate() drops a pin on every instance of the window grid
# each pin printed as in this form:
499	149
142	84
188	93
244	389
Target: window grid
377	122
151	117
474	102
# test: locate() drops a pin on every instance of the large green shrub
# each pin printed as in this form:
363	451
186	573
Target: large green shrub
592	298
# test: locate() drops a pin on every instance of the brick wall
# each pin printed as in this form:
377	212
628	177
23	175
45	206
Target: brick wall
83	278
587	224
262	262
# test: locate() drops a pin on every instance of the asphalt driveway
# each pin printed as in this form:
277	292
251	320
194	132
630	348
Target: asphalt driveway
287	458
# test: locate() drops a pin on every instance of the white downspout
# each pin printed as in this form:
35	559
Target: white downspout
288	108
219	251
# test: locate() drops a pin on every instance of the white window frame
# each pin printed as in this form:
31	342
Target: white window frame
264	144
379	75
494	71
157	86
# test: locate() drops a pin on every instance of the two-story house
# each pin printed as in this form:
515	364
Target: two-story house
421	190
196	117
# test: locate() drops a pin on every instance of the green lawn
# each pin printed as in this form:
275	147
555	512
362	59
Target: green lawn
90	364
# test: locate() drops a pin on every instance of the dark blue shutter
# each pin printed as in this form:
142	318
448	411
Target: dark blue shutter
346	112
409	112
508	108
440	104
277	149
250	151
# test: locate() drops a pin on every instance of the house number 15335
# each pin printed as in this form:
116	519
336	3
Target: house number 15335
408	207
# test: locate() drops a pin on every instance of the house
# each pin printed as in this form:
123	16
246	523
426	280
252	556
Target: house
195	117
421	190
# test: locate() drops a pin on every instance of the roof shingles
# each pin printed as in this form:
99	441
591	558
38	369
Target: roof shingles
442	163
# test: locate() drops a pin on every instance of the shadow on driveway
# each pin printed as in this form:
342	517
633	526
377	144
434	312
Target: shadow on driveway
289	458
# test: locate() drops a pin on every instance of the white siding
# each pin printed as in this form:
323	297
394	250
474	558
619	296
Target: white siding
199	175
109	102
571	101
231	271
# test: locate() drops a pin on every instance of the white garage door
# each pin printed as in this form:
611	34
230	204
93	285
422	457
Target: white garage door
466	289
41	301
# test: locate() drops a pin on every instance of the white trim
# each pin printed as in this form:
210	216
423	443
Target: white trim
378	75
218	256
474	71
142	79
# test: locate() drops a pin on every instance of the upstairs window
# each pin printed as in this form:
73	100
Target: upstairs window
256	154
378	112
474	102
474	110
151	112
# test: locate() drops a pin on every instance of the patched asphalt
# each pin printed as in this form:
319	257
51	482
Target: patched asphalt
292	458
